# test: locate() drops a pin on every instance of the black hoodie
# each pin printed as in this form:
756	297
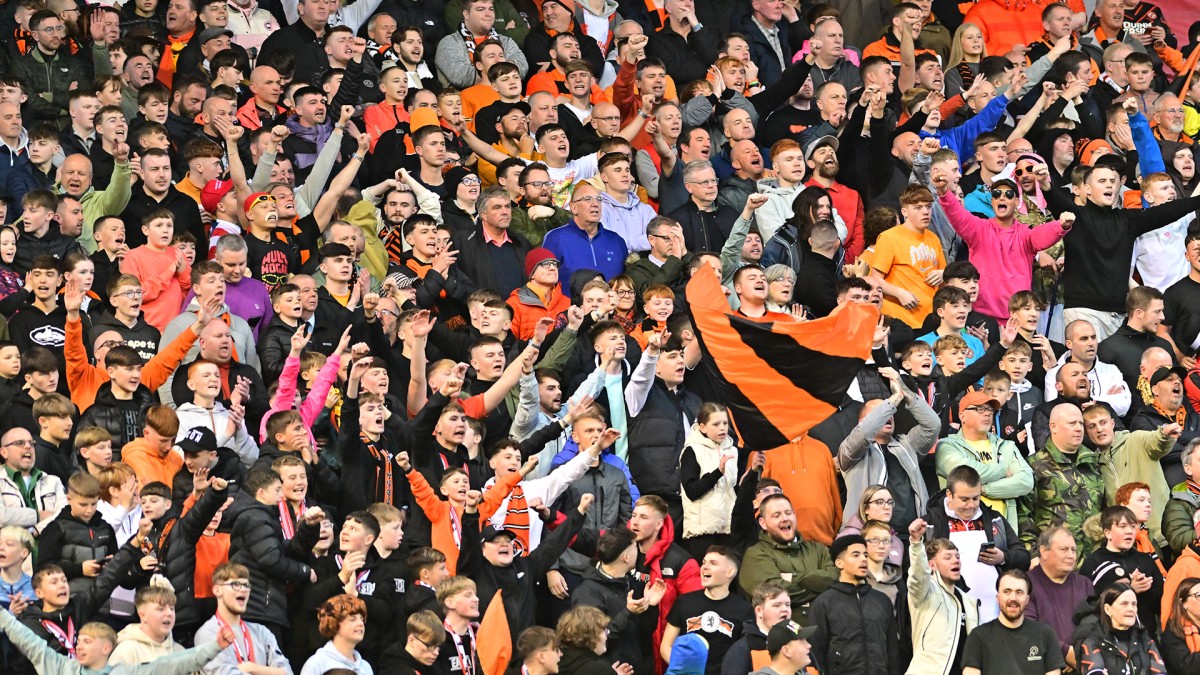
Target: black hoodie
141	337
31	327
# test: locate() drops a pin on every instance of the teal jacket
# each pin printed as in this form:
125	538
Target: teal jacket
1008	478
46	661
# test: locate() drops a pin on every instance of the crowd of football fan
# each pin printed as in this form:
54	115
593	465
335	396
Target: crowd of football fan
355	337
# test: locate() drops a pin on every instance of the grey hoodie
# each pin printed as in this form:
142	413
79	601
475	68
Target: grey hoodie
327	658
243	342
46	661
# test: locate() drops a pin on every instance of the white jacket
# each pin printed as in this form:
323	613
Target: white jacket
251	26
1102	377
548	489
134	646
713	512
936	617
48	494
191	415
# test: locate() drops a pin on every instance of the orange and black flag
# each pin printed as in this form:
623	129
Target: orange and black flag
778	379
494	649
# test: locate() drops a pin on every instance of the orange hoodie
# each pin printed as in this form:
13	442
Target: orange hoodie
805	471
85	379
147	465
438	511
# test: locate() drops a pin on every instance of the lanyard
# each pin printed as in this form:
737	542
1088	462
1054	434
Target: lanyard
455	527
237	651
358	578
66	639
458	646
286	521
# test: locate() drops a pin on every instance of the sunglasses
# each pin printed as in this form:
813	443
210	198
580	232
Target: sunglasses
260	199
1007	193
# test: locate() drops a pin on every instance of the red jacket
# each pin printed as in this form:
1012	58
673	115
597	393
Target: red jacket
669	562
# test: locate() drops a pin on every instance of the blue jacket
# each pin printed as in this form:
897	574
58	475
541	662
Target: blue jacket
605	253
979	201
571	448
961	139
1150	158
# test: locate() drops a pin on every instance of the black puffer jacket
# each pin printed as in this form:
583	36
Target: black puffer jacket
274	345
331	321
180	560
123	419
256	541
1104	653
68	542
856	630
656	437
83	605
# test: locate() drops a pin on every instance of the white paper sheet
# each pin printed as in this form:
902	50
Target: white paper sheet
979	577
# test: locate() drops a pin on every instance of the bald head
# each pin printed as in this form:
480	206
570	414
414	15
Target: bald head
1066	427
266	84
1153	359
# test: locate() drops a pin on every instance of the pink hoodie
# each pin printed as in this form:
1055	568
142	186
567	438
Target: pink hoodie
311	406
1004	255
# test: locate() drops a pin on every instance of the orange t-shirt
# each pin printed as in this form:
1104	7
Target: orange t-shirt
905	258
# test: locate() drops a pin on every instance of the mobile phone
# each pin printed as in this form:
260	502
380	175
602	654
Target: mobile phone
987	546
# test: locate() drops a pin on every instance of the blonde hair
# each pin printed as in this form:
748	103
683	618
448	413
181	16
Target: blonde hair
956	50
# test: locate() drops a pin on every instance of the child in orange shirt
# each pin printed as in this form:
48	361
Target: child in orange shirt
165	274
446	516
658	302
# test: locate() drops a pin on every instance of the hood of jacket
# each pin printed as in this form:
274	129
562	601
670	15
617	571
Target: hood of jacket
697	439
666	537
142	396
689	655
630	204
770	186
610	8
526	296
315	134
134	633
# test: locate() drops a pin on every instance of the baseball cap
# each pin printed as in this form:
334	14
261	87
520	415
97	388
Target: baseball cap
402	280
1163	373
214	33
786	632
490	532
197	439
212	194
819	142
975	398
997	182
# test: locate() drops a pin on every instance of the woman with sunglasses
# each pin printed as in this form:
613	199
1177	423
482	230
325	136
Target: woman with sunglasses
1003	249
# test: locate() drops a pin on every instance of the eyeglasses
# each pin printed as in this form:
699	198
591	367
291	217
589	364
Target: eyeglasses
470	180
109	344
877	541
586	200
435	648
1006	193
981	409
1176	111
539	184
548	263
1195	595
21	443
882	502
238	585
704	183
626	291
53	30
388	312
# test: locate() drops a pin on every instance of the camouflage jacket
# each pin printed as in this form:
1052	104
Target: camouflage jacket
1064	493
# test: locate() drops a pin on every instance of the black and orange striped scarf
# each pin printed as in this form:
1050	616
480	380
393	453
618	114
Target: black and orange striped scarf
516	520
